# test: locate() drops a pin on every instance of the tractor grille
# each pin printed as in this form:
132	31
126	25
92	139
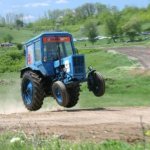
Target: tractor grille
78	64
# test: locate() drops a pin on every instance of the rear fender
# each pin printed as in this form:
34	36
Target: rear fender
28	69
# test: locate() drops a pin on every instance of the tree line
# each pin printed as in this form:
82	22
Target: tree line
129	22
12	20
92	19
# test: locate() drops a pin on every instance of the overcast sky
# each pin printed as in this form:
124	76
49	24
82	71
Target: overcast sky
32	9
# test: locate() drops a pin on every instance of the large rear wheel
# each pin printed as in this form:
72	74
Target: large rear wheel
32	91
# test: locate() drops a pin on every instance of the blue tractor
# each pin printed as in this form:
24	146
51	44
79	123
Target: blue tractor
54	68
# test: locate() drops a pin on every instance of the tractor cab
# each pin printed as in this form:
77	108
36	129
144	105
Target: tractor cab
53	53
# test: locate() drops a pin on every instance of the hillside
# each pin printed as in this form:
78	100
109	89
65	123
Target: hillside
19	35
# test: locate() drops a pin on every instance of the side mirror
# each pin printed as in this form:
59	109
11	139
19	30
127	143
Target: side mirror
77	51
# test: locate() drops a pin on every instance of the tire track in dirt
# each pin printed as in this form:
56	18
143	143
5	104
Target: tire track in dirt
141	53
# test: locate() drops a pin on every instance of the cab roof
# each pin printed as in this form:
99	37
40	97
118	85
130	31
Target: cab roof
47	34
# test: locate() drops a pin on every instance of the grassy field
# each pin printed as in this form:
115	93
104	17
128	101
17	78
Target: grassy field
19	36
21	142
123	86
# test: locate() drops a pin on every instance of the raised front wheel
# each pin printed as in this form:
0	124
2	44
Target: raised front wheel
96	84
60	93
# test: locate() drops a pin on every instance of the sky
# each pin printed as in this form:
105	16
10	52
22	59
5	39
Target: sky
33	9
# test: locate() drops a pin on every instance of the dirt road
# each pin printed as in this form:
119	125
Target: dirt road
79	124
141	53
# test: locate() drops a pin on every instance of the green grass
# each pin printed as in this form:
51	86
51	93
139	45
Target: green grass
25	142
11	59
19	36
146	26
123	88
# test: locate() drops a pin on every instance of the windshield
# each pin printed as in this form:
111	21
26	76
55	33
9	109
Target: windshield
55	46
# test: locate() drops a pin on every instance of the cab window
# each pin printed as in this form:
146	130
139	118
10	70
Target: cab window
37	49
52	45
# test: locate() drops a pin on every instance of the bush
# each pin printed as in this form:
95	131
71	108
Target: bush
19	46
11	61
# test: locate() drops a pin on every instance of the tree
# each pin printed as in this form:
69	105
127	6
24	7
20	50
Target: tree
90	30
54	15
79	14
69	17
132	28
19	23
111	24
2	21
100	8
88	9
85	11
19	46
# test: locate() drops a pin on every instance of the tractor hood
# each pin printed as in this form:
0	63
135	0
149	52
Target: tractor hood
74	66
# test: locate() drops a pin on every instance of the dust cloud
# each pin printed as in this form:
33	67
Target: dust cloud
9	107
11	100
10	97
